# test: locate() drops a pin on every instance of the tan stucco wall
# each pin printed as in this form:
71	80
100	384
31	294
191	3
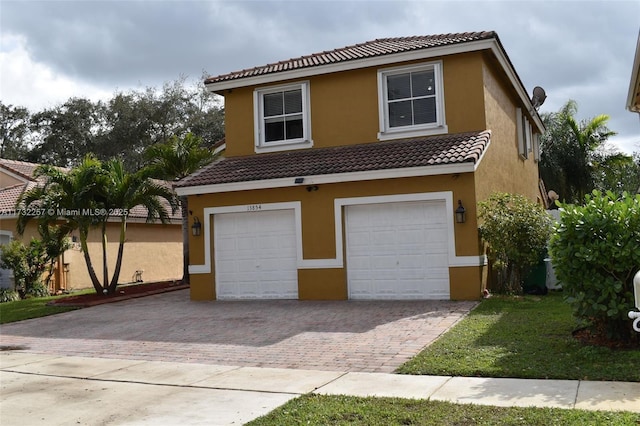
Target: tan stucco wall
7	180
346	103
502	169
157	249
318	229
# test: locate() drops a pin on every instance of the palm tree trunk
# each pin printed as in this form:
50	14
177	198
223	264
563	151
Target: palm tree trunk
105	267
116	272
185	240
87	259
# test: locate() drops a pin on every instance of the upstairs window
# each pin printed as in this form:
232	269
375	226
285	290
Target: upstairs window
411	100
282	117
525	137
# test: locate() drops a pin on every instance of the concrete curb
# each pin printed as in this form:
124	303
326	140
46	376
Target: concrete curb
135	391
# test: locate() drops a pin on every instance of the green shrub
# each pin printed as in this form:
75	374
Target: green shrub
37	290
8	295
28	263
596	252
517	231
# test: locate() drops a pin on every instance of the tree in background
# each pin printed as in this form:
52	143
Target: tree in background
65	134
14	129
174	160
619	173
575	158
123	127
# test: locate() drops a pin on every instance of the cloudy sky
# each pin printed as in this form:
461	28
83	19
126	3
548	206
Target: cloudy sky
51	50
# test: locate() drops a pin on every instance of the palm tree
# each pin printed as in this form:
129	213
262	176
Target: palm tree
173	160
570	150
87	197
589	135
62	196
126	191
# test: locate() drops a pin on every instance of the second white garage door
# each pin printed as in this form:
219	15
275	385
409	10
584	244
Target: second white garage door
255	255
397	250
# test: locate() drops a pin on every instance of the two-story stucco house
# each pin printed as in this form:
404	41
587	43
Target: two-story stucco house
344	171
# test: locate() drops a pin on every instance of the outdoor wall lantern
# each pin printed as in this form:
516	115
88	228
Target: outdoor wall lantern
461	213
635	316
196	227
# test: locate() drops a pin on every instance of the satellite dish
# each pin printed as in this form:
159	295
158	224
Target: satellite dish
538	97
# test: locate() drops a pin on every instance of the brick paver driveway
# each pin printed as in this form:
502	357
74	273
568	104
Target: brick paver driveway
343	335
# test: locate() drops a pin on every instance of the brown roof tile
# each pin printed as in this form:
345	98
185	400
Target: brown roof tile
397	154
20	168
369	49
8	198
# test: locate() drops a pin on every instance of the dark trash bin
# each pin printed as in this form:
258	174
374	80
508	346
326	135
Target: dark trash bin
536	281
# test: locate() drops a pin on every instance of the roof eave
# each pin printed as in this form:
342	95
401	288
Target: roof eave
16	174
634	84
439	169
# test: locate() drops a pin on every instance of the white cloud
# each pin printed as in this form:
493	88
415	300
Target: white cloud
626	144
26	82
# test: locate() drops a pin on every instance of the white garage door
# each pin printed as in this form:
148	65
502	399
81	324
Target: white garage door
255	255
397	250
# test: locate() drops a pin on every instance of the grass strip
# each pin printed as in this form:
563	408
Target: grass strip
523	337
346	410
35	307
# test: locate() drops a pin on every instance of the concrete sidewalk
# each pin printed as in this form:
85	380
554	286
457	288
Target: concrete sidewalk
53	390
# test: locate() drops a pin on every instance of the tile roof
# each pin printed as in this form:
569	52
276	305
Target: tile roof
21	168
9	196
396	154
369	49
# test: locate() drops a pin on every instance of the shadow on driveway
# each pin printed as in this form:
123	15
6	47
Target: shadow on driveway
349	335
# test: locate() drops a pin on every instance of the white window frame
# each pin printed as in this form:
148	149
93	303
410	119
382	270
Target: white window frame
536	148
436	128
258	115
525	138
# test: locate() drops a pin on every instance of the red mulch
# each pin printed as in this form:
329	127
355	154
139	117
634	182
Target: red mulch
123	292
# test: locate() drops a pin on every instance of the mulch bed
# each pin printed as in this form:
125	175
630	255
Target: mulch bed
123	292
590	338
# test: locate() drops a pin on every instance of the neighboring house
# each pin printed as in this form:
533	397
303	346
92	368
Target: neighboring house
152	249
633	98
343	172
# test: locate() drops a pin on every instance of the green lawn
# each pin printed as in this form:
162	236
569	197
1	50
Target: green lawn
528	337
343	410
31	308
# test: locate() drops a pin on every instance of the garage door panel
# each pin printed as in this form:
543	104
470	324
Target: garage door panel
256	255
407	247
